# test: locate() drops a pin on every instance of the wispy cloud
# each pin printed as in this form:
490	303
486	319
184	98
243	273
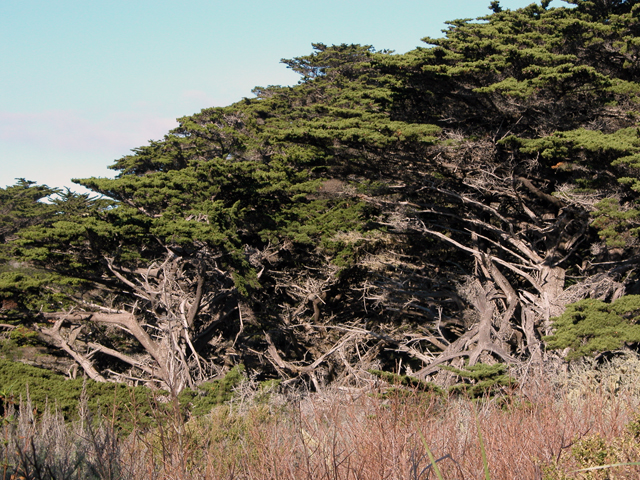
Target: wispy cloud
78	131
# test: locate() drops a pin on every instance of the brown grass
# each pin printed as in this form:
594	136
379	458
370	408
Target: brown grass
534	433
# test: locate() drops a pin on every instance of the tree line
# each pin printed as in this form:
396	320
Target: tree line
405	212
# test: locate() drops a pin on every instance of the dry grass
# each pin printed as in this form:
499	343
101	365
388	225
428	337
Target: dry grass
540	432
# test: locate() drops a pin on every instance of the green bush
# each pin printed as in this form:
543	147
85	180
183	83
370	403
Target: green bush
476	381
590	326
211	394
481	380
127	407
407	382
598	459
23	336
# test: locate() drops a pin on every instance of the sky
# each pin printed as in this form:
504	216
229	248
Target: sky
82	82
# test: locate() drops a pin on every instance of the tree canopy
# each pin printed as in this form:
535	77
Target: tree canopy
390	210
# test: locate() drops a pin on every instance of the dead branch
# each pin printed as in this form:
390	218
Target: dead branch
61	342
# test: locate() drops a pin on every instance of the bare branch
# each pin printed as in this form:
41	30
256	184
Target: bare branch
82	360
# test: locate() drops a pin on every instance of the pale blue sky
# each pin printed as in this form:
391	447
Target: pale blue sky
84	81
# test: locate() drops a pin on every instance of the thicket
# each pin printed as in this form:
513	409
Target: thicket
421	213
592	326
124	407
536	431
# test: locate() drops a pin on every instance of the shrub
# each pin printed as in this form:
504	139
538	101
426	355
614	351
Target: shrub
126	407
213	393
591	325
23	336
481	380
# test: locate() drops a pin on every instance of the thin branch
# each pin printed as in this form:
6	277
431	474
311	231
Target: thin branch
121	356
241	326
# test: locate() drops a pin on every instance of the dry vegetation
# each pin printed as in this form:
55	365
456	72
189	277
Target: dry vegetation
547	428
470	205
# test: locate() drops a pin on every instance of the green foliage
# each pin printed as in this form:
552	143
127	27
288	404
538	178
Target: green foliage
21	206
128	407
540	93
593	451
477	381
591	146
22	336
229	176
407	381
572	151
481	380
211	394
590	326
602	9
49	390
598	457
34	290
56	252
495	6
613	223
633	427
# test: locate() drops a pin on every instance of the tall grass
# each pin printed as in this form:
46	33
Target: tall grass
539	432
